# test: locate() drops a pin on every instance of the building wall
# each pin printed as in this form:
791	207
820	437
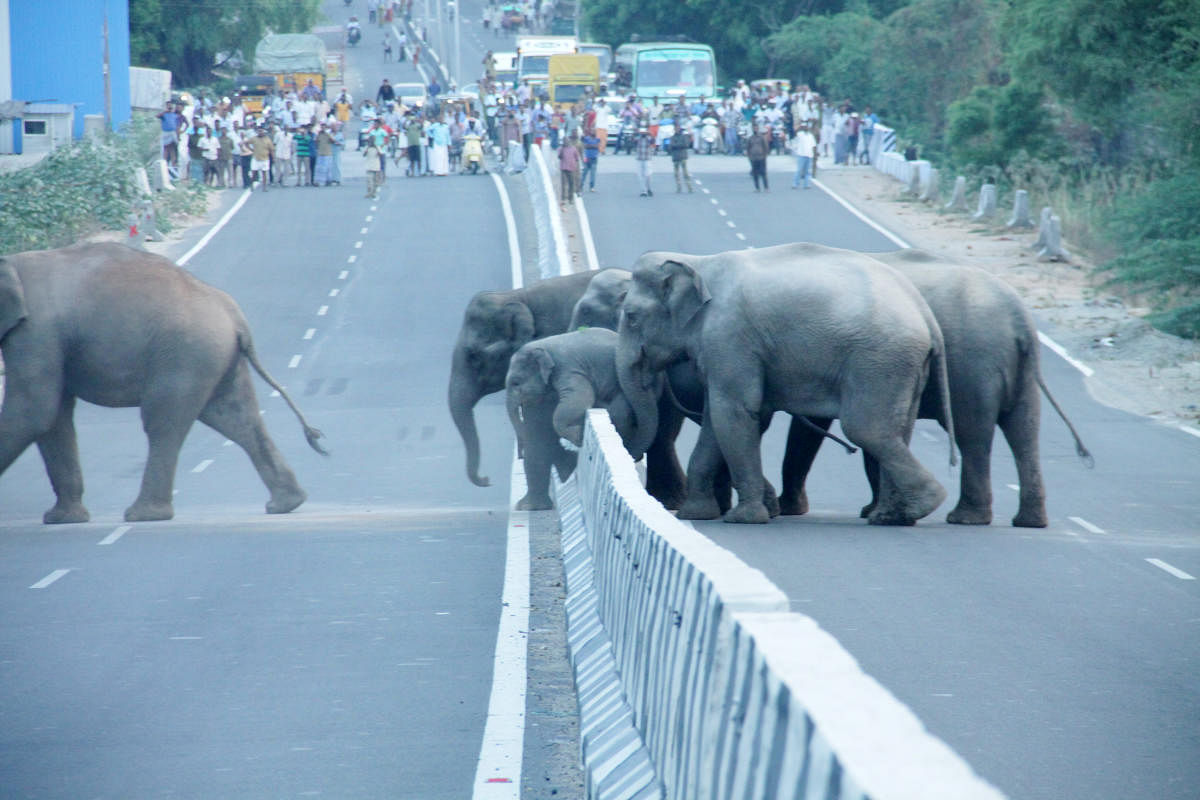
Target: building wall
5	56
58	54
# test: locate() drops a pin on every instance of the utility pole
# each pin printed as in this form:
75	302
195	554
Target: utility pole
458	78
107	77
441	32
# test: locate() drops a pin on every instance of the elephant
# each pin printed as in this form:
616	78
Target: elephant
551	384
600	305
496	324
119	328
810	330
992	365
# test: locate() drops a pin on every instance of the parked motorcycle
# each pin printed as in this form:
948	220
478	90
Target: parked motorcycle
710	135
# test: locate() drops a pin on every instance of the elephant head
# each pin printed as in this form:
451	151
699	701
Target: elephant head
600	306
658	315
494	327
528	381
12	298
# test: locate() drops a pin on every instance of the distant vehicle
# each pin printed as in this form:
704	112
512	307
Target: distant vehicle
666	70
572	77
772	83
506	68
533	56
411	94
252	89
603	54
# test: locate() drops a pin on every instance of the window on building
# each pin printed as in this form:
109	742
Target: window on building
35	127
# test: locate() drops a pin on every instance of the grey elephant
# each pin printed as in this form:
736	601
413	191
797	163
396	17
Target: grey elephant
115	327
496	324
600	305
992	365
551	384
800	328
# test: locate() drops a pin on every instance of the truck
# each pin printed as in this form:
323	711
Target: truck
533	56
571	77
292	60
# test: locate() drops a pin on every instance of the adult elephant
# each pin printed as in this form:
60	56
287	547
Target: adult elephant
497	324
801	328
994	373
119	328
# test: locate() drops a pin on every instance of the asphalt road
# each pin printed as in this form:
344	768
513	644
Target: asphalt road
1060	662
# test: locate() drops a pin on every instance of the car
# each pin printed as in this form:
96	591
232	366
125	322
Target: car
411	94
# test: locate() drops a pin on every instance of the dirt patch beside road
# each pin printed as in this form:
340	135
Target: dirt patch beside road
1137	368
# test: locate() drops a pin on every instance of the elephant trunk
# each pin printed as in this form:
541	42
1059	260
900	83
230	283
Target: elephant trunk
464	393
639	388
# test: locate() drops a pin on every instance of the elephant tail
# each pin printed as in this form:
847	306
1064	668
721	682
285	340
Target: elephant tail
246	345
1080	449
938	372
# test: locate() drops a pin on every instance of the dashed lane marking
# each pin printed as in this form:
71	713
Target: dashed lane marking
295	362
1170	570
311	332
115	535
1087	526
203	465
49	579
322	311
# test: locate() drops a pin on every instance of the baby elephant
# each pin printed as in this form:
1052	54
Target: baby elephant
551	384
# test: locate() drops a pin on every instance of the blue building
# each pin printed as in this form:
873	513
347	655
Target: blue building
52	56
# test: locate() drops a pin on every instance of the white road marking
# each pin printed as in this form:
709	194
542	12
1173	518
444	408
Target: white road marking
845	204
1178	573
203	465
343	275
713	200
322	311
374	208
585	228
116	534
510	225
311	332
370	217
1190	429
229	442
741	236
722	212
706	191
729	222
334	292
358	245
1014	487
364	230
1065	356
241	201
351	259
186	638
295	362
49	579
1087	526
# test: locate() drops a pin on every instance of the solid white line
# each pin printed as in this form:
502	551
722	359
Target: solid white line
295	362
322	311
1178	573
49	579
510	224
1190	429
498	773
1087	526
241	201
589	244
116	534
1062	353
311	332
203	465
556	229
891	236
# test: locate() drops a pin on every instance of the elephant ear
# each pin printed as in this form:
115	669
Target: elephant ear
683	292
12	297
518	323
545	363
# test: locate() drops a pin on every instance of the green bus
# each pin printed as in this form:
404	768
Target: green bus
666	70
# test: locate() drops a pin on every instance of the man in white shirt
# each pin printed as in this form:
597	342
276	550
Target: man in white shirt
603	116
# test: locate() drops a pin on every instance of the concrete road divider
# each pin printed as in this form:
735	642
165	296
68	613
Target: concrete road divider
697	682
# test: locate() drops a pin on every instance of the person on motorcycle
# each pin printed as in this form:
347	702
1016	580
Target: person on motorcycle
353	31
472	149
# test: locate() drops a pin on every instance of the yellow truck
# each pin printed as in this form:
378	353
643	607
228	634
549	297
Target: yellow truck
572	77
292	59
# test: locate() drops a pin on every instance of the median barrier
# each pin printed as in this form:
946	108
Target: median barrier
695	679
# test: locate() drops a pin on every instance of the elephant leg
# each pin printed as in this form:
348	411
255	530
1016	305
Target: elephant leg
169	407
974	505
704	468
871	468
60	453
802	446
665	480
1020	426
736	422
541	453
232	411
908	491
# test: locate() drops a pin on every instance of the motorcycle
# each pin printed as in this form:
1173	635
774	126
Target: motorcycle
472	154
353	35
744	131
779	138
710	135
626	136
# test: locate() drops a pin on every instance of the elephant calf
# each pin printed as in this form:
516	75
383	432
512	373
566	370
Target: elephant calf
118	328
551	384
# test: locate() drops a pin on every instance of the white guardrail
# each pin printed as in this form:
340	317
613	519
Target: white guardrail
696	682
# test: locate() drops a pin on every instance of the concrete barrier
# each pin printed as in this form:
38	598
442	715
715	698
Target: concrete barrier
729	693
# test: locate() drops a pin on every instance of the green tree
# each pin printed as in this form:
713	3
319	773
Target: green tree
185	36
833	54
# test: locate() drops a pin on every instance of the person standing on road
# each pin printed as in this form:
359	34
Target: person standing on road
645	151
603	115
804	145
568	169
372	155
321	176
261	148
591	156
304	148
757	148
339	144
439	156
679	144
413	131
283	155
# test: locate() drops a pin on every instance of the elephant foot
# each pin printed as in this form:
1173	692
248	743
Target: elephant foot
894	518
748	513
284	501
66	513
149	512
699	508
793	504
770	499
966	515
866	511
531	503
1030	519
